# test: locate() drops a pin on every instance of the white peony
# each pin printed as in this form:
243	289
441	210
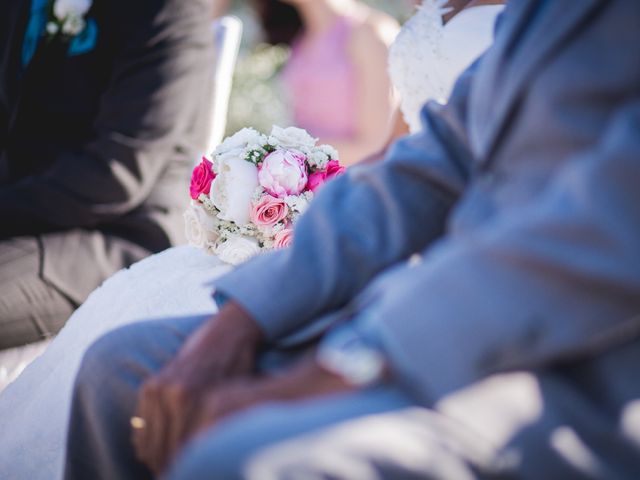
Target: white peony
64	9
283	173
233	189
237	249
292	137
200	227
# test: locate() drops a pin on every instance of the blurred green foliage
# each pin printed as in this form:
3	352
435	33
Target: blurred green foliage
258	99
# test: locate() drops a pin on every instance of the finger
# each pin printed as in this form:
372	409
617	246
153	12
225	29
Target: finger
198	420
138	432
149	440
213	407
157	437
178	405
140	435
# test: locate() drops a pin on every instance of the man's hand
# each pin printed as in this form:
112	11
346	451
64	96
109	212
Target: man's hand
305	380
223	348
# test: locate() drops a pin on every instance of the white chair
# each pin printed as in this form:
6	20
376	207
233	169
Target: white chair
227	32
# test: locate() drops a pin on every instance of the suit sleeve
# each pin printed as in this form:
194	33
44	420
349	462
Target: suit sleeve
144	121
360	223
551	280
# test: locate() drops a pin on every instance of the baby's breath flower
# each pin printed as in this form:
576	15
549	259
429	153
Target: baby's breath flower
52	28
331	152
318	159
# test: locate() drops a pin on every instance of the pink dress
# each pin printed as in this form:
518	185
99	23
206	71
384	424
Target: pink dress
321	80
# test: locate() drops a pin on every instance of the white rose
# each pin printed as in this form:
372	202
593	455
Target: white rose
293	137
63	9
237	249
233	189
208	222
273	141
240	140
193	229
200	227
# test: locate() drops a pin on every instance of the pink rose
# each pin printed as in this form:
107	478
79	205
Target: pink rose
268	211
283	238
334	169
201	179
283	173
316	180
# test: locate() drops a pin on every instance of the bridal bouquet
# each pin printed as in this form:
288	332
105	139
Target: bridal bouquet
248	196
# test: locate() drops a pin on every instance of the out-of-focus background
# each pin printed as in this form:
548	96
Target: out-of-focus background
257	98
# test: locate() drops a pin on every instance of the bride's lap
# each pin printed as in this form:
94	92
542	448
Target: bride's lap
171	285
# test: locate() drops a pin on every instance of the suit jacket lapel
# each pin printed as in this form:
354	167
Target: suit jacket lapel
507	76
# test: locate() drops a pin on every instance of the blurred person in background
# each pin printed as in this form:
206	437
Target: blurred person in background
102	109
220	8
337	73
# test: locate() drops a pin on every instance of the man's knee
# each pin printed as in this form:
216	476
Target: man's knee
133	352
106	362
118	351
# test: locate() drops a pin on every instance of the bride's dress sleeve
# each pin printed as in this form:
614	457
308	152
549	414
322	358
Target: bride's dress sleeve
361	223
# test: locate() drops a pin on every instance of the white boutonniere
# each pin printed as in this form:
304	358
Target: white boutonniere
67	17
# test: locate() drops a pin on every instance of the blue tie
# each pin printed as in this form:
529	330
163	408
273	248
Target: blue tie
35	28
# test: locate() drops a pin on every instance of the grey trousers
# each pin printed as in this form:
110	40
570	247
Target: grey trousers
575	421
375	433
31	308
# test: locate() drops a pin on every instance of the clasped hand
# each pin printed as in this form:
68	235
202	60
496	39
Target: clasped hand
213	376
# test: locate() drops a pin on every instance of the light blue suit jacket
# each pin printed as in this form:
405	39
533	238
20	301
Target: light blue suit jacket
523	194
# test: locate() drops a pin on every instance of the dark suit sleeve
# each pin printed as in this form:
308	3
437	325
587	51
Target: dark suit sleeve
143	122
360	224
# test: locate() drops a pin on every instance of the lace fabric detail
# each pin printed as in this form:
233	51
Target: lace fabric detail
415	59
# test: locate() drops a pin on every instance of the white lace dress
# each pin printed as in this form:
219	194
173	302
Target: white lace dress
34	409
428	56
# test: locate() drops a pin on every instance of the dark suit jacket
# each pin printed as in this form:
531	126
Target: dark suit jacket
96	148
